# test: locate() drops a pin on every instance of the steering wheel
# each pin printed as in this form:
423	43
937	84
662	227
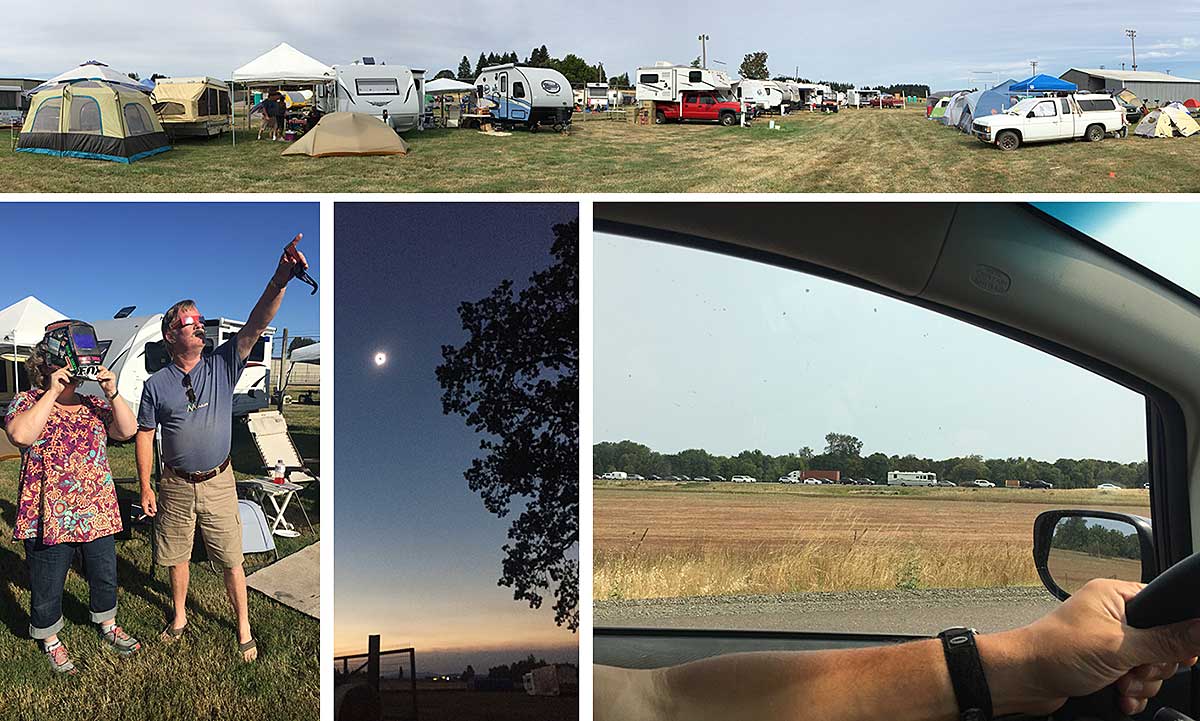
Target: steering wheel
1168	599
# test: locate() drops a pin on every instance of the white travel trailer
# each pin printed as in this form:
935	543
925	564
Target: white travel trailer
766	95
134	350
667	83
525	96
596	96
911	478
392	93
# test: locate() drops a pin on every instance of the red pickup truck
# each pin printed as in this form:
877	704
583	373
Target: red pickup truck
887	102
704	106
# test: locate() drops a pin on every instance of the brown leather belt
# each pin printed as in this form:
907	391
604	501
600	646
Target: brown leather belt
200	476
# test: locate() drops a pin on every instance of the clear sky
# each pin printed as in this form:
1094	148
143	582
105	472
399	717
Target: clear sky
697	350
946	45
108	255
418	556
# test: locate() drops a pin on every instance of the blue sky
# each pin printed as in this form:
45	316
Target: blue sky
697	350
151	255
867	42
418	555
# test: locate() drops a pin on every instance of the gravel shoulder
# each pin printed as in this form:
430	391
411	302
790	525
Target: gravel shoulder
922	611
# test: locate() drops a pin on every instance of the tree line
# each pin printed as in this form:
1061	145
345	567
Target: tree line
1076	534
843	453
575	69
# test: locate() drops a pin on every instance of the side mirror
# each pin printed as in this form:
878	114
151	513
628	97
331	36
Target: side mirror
1030	114
1071	548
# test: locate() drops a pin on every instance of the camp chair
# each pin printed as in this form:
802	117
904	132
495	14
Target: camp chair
256	531
270	433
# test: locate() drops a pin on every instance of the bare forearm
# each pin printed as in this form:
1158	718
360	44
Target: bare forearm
144	451
27	427
124	424
907	682
262	315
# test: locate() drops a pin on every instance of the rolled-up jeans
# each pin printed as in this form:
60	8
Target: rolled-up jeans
48	566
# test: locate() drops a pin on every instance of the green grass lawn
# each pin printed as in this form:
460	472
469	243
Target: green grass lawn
852	151
200	677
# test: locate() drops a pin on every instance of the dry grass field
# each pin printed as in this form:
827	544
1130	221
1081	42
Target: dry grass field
672	540
860	151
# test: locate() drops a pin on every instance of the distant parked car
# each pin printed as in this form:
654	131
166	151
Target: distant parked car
1145	486
1108	487
674	478
864	482
1040	484
812	481
743	479
635	477
847	481
947	484
982	483
719	478
700	478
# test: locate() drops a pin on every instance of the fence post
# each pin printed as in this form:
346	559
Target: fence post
373	661
412	674
281	382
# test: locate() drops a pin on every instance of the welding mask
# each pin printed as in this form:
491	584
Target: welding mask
72	344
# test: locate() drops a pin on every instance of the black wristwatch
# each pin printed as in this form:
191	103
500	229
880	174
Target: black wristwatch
966	674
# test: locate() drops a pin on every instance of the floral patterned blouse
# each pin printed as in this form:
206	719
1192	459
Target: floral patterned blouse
66	492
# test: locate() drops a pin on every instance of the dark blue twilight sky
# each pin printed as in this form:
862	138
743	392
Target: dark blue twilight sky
417	554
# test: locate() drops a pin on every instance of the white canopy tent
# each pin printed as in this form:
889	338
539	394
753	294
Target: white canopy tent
447	85
22	326
281	65
307	354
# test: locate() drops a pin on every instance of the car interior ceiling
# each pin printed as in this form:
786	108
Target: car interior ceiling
1007	267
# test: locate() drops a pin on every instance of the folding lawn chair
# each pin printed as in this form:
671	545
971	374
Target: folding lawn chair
270	433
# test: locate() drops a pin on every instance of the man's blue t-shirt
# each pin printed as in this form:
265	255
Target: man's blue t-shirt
195	439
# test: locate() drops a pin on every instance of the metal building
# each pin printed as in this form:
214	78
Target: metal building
1154	88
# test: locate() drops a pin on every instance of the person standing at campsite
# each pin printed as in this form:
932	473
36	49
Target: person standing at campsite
67	501
191	400
280	117
267	108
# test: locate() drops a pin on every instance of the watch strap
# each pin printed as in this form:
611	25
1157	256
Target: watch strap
966	674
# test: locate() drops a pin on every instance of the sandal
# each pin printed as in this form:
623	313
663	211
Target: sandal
171	634
249	651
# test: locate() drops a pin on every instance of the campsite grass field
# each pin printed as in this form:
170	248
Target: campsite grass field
200	677
670	540
856	150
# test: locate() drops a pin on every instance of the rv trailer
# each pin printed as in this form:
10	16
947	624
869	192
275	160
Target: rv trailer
665	82
766	95
393	93
135	350
192	107
526	97
596	96
14	102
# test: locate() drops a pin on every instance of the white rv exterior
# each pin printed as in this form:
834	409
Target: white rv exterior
764	94
667	83
135	352
911	478
392	93
596	96
525	96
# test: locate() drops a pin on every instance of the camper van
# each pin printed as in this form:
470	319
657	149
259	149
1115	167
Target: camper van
766	95
665	82
134	350
13	101
911	478
596	96
526	97
392	93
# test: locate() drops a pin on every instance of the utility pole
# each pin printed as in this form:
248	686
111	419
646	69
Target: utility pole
703	50
1133	46
1034	63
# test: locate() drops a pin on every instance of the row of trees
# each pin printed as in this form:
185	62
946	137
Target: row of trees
754	67
1077	534
844	453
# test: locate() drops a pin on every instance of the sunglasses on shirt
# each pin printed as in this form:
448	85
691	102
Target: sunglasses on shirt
191	394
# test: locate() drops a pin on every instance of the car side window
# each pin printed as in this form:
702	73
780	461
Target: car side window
883	463
1044	110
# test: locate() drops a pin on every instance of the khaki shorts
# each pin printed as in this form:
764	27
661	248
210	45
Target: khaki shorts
213	504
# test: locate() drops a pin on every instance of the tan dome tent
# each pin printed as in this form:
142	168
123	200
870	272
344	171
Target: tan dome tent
1165	123
92	119
349	134
192	106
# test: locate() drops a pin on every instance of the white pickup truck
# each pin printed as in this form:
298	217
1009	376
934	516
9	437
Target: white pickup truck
1033	120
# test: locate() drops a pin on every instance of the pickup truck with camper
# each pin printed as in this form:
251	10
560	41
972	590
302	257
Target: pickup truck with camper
682	93
1090	116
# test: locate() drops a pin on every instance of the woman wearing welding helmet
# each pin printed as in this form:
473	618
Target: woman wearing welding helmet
66	500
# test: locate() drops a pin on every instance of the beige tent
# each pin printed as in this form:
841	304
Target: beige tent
1165	123
349	134
192	106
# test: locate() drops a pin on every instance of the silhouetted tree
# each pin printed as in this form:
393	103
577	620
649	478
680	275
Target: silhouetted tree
444	74
464	70
516	380
300	342
754	66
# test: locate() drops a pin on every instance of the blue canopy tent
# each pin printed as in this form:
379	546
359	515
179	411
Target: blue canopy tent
1042	83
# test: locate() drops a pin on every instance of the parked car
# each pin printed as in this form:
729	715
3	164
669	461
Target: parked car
719	478
982	483
1038	483
947	484
744	479
1145	486
1090	116
655	478
864	482
1108	487
811	481
700	478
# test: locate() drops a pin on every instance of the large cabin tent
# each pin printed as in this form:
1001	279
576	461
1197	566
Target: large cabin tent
92	119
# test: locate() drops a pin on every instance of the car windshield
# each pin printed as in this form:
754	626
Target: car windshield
1024	106
806	383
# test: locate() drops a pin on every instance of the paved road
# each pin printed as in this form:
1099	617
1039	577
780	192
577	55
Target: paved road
906	612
